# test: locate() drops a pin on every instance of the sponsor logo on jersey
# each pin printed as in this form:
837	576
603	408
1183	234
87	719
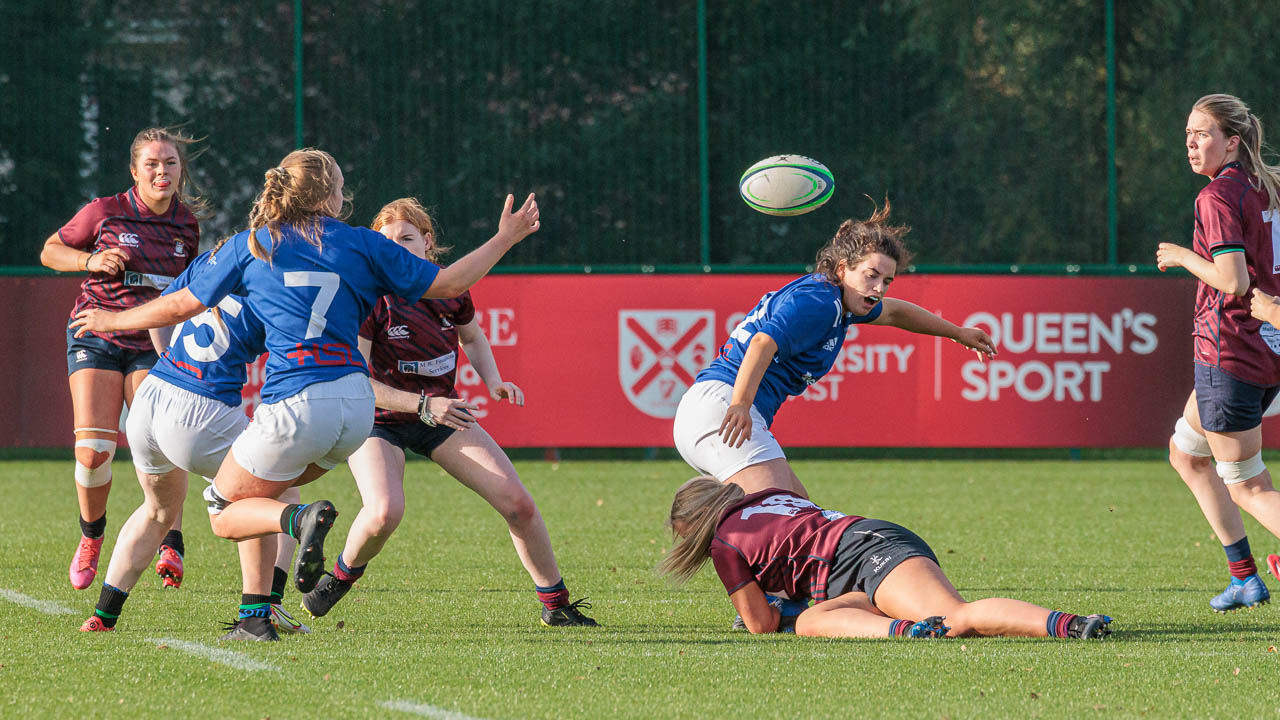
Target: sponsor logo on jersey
1271	336
137	279
434	367
398	332
830	345
129	239
179	250
659	352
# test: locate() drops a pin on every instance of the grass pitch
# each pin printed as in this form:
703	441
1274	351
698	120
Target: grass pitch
445	623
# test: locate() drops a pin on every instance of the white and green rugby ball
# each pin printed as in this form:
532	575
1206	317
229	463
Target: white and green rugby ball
786	185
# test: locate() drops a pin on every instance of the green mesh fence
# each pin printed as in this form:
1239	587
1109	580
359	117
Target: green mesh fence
983	122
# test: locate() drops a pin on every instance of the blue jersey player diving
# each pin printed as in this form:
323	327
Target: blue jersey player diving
789	341
312	279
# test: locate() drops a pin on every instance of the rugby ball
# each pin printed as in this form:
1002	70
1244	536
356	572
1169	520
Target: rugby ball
786	185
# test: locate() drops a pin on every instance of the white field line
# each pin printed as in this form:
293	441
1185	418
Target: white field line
429	711
44	606
230	658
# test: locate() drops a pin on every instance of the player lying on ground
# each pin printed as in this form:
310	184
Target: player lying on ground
870	578
1237	356
185	416
412	350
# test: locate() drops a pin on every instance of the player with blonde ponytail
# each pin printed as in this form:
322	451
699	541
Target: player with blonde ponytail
1237	345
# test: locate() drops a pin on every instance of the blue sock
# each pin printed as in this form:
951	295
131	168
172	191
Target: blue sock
1238	550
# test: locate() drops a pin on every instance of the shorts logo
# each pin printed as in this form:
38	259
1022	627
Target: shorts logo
129	239
659	352
879	561
82	355
398	332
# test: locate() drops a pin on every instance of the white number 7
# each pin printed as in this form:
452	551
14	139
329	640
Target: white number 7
328	283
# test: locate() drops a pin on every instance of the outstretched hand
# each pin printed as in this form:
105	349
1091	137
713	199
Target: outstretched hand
978	341
93	320
523	222
508	391
1169	255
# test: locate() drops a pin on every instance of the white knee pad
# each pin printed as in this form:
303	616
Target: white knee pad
96	476
214	500
1237	472
1189	441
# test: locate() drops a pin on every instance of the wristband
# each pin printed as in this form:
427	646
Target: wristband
87	257
423	413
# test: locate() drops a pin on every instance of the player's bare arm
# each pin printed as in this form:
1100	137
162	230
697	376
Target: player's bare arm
736	427
164	311
512	228
1265	307
57	255
757	614
913	318
480	353
1228	273
449	412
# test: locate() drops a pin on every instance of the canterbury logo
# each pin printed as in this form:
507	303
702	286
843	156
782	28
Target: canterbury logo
129	239
398	332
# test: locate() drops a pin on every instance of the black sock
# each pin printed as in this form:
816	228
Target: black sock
173	539
94	530
278	582
287	517
255	606
110	604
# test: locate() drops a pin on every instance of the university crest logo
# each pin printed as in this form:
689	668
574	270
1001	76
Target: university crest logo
659	352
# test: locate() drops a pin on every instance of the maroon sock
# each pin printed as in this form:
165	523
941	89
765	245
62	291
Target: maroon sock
1058	623
899	628
1242	569
555	596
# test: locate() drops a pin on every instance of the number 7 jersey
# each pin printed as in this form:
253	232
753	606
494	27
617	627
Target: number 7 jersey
312	299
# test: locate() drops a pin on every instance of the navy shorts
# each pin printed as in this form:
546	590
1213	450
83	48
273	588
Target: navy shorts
418	437
94	352
868	551
1227	404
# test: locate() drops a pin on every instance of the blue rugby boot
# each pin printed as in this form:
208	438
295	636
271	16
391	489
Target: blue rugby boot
1247	593
930	627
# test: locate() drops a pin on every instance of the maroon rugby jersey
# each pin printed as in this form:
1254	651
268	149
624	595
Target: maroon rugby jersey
779	540
415	347
1232	216
160	247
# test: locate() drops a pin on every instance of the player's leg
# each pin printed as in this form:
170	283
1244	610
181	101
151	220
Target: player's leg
285	545
916	589
162	494
378	469
1191	456
172	549
757	465
851	615
1231	416
97	396
475	460
257	564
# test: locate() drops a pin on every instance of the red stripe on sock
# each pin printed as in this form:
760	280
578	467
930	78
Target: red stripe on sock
1064	621
1243	568
553	600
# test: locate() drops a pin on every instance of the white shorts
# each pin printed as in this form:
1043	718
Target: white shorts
697	433
323	424
170	426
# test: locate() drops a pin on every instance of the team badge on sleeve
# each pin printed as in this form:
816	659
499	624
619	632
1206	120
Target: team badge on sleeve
659	353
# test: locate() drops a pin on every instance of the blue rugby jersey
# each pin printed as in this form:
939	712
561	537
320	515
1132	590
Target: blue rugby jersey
313	299
806	318
208	353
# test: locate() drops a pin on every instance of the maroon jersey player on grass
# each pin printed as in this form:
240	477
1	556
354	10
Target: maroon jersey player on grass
1237	356
131	245
869	578
412	351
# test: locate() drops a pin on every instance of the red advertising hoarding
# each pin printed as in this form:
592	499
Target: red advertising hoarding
603	360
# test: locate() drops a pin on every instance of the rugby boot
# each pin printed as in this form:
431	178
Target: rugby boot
313	523
1089	627
285	623
95	624
326	594
84	564
1247	593
1273	562
169	567
930	627
255	628
568	615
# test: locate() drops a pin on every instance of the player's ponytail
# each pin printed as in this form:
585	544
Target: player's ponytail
856	239
296	193
697	507
1234	119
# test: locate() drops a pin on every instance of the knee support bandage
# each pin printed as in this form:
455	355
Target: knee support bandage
98	472
1237	472
1189	441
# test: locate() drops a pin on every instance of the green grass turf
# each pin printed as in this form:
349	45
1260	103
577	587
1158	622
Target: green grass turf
446	620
